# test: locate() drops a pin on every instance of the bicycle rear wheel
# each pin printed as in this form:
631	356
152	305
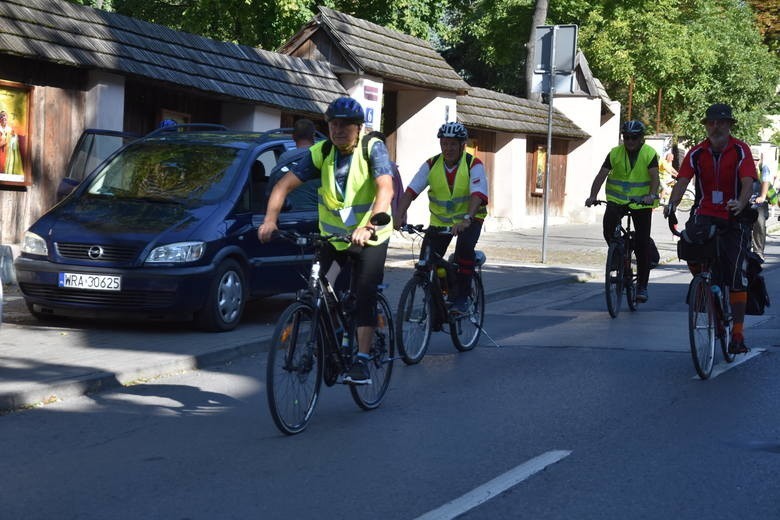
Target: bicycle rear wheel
294	372
415	317
701	325
687	201
380	366
613	279
629	280
465	329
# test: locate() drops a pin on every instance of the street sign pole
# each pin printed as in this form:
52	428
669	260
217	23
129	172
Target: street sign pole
548	160
556	47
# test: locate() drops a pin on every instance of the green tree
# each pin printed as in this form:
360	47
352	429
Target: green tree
485	42
269	23
691	52
768	21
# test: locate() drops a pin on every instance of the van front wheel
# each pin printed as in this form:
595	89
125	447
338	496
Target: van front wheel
226	299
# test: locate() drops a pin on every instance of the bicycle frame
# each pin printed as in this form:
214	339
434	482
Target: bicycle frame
718	324
621	245
712	273
427	266
625	235
337	322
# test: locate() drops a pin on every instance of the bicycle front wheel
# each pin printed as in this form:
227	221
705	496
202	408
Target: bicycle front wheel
415	320
380	365
294	372
724	326
613	279
465	329
701	326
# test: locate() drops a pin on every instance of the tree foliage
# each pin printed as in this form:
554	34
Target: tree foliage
768	21
269	23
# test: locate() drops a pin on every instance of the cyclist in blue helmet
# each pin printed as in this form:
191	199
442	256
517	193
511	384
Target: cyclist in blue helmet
457	197
631	172
354	189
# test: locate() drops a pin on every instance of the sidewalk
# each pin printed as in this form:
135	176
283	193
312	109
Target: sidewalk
45	362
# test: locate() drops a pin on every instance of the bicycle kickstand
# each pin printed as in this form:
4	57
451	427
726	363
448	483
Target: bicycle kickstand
489	337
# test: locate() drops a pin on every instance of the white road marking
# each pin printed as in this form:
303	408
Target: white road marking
495	487
723	366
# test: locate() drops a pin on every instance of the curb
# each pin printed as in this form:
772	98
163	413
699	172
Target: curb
99	381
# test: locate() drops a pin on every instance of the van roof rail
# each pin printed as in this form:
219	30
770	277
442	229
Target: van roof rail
184	127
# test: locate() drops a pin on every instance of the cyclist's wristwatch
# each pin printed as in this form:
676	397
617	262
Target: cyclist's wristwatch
467	218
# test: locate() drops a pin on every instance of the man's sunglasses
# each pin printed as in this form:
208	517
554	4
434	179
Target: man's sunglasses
629	137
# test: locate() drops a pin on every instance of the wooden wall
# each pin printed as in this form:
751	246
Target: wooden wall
483	143
56	121
557	184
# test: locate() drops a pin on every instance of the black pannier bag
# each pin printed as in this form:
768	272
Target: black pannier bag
696	244
757	296
655	256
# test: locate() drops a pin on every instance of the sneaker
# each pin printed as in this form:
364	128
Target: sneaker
641	294
358	374
737	346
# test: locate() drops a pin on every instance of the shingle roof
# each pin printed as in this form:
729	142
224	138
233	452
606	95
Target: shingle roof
390	54
62	32
491	110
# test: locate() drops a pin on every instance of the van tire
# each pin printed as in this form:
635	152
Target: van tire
226	299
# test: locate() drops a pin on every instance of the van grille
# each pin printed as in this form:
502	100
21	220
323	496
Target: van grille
109	253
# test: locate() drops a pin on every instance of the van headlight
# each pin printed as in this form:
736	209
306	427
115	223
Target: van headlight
34	245
178	253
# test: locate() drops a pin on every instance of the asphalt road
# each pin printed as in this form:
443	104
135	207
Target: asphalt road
572	415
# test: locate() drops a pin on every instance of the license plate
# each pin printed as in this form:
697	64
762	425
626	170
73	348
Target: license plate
95	282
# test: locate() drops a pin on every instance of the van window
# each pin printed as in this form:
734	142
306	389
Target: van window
170	171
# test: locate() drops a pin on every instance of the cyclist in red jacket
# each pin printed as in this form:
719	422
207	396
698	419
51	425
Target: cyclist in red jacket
724	172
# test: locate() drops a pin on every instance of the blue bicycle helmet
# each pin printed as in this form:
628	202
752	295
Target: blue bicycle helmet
633	127
345	108
167	122
454	130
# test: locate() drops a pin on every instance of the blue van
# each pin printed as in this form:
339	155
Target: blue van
167	227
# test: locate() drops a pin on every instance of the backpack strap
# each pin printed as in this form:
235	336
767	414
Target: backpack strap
366	138
327	146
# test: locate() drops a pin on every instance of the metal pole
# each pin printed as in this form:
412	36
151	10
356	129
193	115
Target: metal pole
545	193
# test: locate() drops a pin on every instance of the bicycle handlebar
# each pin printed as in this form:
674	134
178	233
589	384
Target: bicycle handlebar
308	239
631	200
419	229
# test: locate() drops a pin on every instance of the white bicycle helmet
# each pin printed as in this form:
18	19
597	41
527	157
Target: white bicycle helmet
453	129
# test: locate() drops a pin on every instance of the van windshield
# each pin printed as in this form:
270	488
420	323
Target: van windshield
169	172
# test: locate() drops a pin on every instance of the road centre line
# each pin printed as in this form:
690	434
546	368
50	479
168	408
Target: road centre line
723	366
495	487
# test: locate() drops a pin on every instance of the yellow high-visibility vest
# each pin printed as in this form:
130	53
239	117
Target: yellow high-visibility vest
355	204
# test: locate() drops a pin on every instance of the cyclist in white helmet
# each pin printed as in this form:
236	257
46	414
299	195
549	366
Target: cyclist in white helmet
458	197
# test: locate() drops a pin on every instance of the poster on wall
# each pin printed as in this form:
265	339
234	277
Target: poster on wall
14	134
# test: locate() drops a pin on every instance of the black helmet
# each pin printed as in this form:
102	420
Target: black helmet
633	127
453	129
345	108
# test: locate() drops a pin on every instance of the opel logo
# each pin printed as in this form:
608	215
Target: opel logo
95	252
